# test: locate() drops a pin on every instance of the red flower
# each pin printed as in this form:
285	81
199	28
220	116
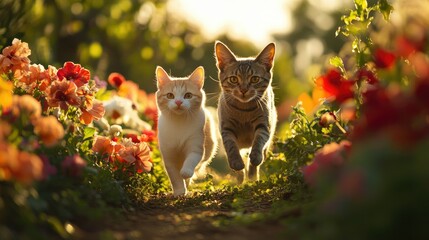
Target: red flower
384	59
406	46
422	92
335	85
148	136
134	138
75	73
116	79
369	76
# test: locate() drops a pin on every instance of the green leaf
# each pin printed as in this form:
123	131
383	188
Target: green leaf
385	9
361	8
337	62
88	133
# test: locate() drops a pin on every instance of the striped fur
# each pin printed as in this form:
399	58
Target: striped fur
247	115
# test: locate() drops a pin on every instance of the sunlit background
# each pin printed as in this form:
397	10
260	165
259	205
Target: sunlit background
134	36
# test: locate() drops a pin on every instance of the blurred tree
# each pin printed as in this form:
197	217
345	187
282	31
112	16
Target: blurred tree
133	36
12	19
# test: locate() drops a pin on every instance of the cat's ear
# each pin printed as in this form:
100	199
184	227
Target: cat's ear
197	77
266	56
224	56
161	77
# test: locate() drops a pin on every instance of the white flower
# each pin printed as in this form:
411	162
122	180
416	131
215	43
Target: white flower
120	110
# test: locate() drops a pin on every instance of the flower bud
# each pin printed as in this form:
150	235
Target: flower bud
115	130
327	119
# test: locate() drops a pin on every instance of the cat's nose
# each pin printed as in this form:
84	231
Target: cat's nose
178	102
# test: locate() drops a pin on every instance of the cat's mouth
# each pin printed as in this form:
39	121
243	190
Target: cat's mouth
245	98
178	109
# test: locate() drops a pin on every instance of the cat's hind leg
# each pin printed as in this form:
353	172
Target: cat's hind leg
253	172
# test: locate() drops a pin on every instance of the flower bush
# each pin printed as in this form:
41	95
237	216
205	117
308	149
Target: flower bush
361	152
62	154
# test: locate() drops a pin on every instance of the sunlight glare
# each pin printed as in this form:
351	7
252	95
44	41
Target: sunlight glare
255	21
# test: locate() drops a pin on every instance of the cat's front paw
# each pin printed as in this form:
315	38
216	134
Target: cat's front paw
256	158
186	173
181	192
236	164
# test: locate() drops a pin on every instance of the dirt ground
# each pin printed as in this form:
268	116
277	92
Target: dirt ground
164	218
166	223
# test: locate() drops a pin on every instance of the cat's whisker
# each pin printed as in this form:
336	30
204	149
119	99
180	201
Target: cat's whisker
213	79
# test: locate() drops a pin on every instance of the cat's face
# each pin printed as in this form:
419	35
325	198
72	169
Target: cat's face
245	79
179	95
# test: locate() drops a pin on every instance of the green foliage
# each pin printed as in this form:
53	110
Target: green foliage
356	26
305	136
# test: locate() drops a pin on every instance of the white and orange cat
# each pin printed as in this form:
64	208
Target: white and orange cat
186	131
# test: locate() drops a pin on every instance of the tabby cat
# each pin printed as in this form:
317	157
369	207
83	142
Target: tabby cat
186	131
247	115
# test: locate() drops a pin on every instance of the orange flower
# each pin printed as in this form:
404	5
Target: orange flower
8	159
49	130
137	154
151	110
129	89
21	166
62	94
26	105
96	112
6	90
5	130
29	168
15	57
103	145
116	79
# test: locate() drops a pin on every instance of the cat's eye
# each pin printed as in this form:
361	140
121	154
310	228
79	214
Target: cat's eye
233	79
188	95
170	95
254	79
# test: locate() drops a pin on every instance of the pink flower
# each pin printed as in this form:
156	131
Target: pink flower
327	159
137	154
73	165
48	168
